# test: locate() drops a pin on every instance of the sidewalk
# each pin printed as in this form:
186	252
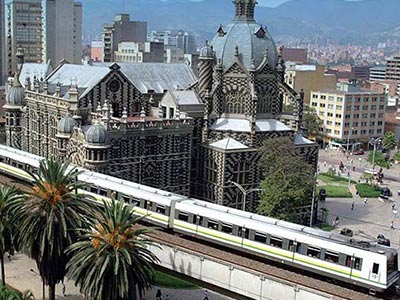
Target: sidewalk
20	276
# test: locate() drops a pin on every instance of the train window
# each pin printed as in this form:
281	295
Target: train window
276	242
243	232
291	245
183	217
125	198
260	237
375	268
348	261
298	247
134	202
227	228
332	257
213	224
357	263
392	264
93	189
103	192
196	219
160	209
314	252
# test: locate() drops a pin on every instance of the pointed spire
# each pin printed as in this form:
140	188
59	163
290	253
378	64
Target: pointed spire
236	51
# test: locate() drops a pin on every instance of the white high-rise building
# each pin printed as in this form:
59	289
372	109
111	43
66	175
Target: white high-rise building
63	19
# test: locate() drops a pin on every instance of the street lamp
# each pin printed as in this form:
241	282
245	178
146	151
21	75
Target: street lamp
374	142
245	192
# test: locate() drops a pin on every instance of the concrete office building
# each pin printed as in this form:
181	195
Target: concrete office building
308	78
24	30
96	51
377	73
140	52
122	30
393	69
350	117
2	43
63	31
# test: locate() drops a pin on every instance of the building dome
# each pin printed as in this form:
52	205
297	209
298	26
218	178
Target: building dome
66	125
16	94
96	134
252	40
207	51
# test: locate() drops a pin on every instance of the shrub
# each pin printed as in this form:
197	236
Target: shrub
368	191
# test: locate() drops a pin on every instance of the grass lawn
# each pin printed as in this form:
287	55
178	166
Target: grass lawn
333	179
327	227
368	191
168	281
337	191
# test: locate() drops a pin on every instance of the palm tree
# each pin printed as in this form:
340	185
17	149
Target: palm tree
50	217
8	230
111	260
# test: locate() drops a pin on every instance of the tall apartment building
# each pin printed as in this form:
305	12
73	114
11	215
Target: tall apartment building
63	31
96	51
353	116
2	43
393	69
122	30
24	23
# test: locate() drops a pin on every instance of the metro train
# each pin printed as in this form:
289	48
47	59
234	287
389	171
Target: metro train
365	264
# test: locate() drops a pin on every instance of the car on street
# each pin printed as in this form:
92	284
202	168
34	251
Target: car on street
358	152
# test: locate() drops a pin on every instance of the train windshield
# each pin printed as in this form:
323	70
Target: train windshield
392	264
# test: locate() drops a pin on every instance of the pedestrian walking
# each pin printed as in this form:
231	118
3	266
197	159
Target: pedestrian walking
394	213
357	194
352	205
206	295
159	295
393	206
337	221
365	200
391	225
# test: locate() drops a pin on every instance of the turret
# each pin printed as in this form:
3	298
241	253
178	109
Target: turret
244	10
205	68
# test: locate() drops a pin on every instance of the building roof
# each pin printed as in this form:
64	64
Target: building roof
33	69
86	76
250	45
157	77
243	125
186	97
229	144
301	140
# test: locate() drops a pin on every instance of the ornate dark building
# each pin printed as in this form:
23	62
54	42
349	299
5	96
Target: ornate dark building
159	125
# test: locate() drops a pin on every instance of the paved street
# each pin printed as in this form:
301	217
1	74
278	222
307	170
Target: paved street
370	219
20	276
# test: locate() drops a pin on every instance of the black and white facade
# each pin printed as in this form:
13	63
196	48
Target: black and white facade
159	124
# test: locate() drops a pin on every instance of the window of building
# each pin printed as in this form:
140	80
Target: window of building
241	172
211	170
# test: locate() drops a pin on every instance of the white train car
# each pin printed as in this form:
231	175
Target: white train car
364	264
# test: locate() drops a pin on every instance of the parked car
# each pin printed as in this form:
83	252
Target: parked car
358	152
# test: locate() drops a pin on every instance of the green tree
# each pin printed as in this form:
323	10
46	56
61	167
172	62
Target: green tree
377	158
289	180
49	218
7	293
389	141
8	230
111	260
311	121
